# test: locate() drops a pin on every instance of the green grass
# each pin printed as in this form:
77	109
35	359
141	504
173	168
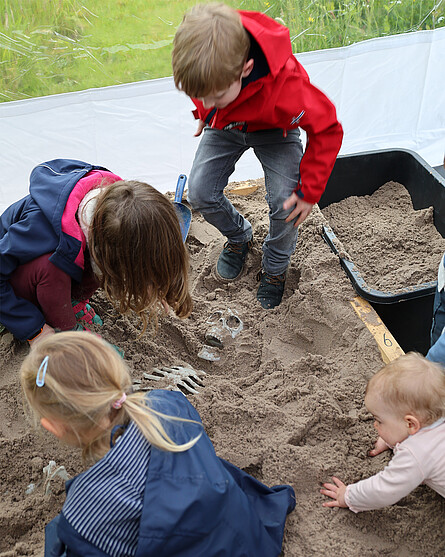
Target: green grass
56	46
320	24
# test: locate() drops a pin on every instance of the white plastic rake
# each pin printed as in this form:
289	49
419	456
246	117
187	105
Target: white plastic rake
178	376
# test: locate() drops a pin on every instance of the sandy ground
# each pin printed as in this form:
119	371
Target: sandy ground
284	401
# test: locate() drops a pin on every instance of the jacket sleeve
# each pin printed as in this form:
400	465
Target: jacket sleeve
398	479
22	318
53	546
305	106
437	352
73	544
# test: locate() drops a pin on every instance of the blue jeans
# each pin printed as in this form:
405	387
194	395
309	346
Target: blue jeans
438	315
215	160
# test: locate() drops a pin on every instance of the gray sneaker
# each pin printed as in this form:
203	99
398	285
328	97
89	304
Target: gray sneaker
231	260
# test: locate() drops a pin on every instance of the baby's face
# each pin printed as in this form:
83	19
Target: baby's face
390	424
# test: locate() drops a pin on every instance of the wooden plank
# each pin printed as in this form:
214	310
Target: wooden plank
389	347
244	189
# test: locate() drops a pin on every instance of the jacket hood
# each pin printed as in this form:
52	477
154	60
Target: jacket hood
272	37
51	183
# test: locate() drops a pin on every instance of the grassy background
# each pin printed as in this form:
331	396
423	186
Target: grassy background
56	46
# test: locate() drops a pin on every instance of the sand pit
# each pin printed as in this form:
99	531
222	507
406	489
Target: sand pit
284	401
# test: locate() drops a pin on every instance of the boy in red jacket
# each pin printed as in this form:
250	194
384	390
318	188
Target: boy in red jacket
250	91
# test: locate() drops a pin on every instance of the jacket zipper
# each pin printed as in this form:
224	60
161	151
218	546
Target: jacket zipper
61	173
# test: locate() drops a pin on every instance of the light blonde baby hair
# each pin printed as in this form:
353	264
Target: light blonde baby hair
135	240
412	384
84	377
210	49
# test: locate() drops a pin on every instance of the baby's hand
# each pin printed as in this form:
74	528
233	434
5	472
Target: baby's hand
379	447
336	492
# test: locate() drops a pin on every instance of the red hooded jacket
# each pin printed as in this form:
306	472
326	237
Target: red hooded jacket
284	98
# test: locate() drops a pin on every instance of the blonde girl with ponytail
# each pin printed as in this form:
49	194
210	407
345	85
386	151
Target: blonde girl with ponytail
86	393
155	486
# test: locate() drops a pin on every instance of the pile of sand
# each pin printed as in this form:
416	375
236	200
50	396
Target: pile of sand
284	401
392	245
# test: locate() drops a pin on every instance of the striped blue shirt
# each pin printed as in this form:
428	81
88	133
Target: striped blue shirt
104	504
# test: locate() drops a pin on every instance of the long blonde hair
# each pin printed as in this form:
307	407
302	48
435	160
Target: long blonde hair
411	384
135	240
84	377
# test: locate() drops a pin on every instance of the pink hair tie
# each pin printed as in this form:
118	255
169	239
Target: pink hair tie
118	403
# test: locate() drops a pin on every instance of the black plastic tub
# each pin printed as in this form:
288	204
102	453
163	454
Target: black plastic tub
406	312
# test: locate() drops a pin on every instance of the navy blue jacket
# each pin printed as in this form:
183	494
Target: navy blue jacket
437	352
32	227
195	504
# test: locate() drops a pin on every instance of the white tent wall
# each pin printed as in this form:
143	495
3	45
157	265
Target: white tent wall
389	93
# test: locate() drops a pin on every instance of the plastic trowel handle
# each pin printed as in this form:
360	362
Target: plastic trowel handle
180	187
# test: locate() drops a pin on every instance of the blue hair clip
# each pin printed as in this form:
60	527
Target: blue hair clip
40	379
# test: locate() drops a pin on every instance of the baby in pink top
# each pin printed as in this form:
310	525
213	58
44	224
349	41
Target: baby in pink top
407	400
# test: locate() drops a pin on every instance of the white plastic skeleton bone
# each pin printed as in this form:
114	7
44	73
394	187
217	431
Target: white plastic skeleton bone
187	377
225	325
51	471
208	353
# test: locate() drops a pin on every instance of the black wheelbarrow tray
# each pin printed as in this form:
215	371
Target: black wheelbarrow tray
362	174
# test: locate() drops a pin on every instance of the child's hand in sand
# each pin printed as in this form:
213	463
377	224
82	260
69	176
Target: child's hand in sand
335	492
379	447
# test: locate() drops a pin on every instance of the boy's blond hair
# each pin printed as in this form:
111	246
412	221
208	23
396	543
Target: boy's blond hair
412	385
210	49
84	377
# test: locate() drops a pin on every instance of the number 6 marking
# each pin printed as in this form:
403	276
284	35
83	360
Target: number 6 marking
387	341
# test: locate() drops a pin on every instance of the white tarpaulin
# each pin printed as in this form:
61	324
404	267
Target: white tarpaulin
389	93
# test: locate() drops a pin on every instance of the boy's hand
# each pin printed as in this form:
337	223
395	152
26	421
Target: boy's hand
302	208
379	447
201	126
336	492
